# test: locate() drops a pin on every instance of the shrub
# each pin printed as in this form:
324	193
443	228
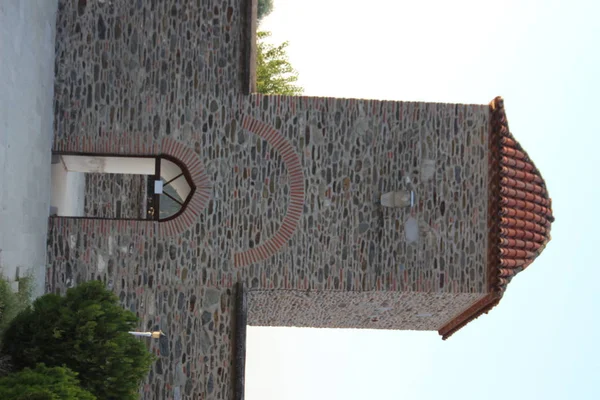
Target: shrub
43	383
12	303
85	331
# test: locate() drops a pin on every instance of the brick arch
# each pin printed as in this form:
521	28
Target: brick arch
201	192
120	145
295	206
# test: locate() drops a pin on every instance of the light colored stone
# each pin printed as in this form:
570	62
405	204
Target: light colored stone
427	170
411	230
101	266
396	199
212	297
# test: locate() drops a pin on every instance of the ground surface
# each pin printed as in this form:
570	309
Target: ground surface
27	32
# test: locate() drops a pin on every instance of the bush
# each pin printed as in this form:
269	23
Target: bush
12	303
43	383
85	331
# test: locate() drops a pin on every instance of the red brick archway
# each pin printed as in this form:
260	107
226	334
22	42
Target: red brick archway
185	157
296	205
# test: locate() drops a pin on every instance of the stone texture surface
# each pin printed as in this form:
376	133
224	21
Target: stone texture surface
289	188
352	152
27	30
341	309
115	196
153	279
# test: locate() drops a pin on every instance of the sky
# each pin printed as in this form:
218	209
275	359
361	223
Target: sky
542	57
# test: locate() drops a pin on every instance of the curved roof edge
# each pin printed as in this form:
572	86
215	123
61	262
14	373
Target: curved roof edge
519	216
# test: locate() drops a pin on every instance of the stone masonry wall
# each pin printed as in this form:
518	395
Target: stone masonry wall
144	66
115	196
346	153
369	310
352	151
156	279
129	73
287	190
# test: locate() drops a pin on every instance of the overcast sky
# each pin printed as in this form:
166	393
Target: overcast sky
543	58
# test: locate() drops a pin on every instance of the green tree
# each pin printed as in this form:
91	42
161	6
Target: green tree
43	383
12	303
85	331
274	73
264	8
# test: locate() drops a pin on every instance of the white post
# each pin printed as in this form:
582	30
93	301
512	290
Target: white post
153	335
143	334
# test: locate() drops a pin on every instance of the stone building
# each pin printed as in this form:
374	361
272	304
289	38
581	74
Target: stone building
282	211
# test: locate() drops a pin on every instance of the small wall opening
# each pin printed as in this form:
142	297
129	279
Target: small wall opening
119	187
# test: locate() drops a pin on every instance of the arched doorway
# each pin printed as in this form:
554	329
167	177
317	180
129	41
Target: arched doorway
162	190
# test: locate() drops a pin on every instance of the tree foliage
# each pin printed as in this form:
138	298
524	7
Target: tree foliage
274	73
85	331
43	383
11	303
264	8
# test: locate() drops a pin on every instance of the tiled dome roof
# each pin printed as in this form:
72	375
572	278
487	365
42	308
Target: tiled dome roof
521	208
520	215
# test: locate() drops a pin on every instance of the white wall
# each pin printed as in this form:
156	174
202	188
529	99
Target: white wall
110	165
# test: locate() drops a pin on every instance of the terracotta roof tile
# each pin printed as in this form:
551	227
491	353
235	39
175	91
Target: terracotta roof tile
521	175
517	164
523	224
520	215
524	215
522	185
522	234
